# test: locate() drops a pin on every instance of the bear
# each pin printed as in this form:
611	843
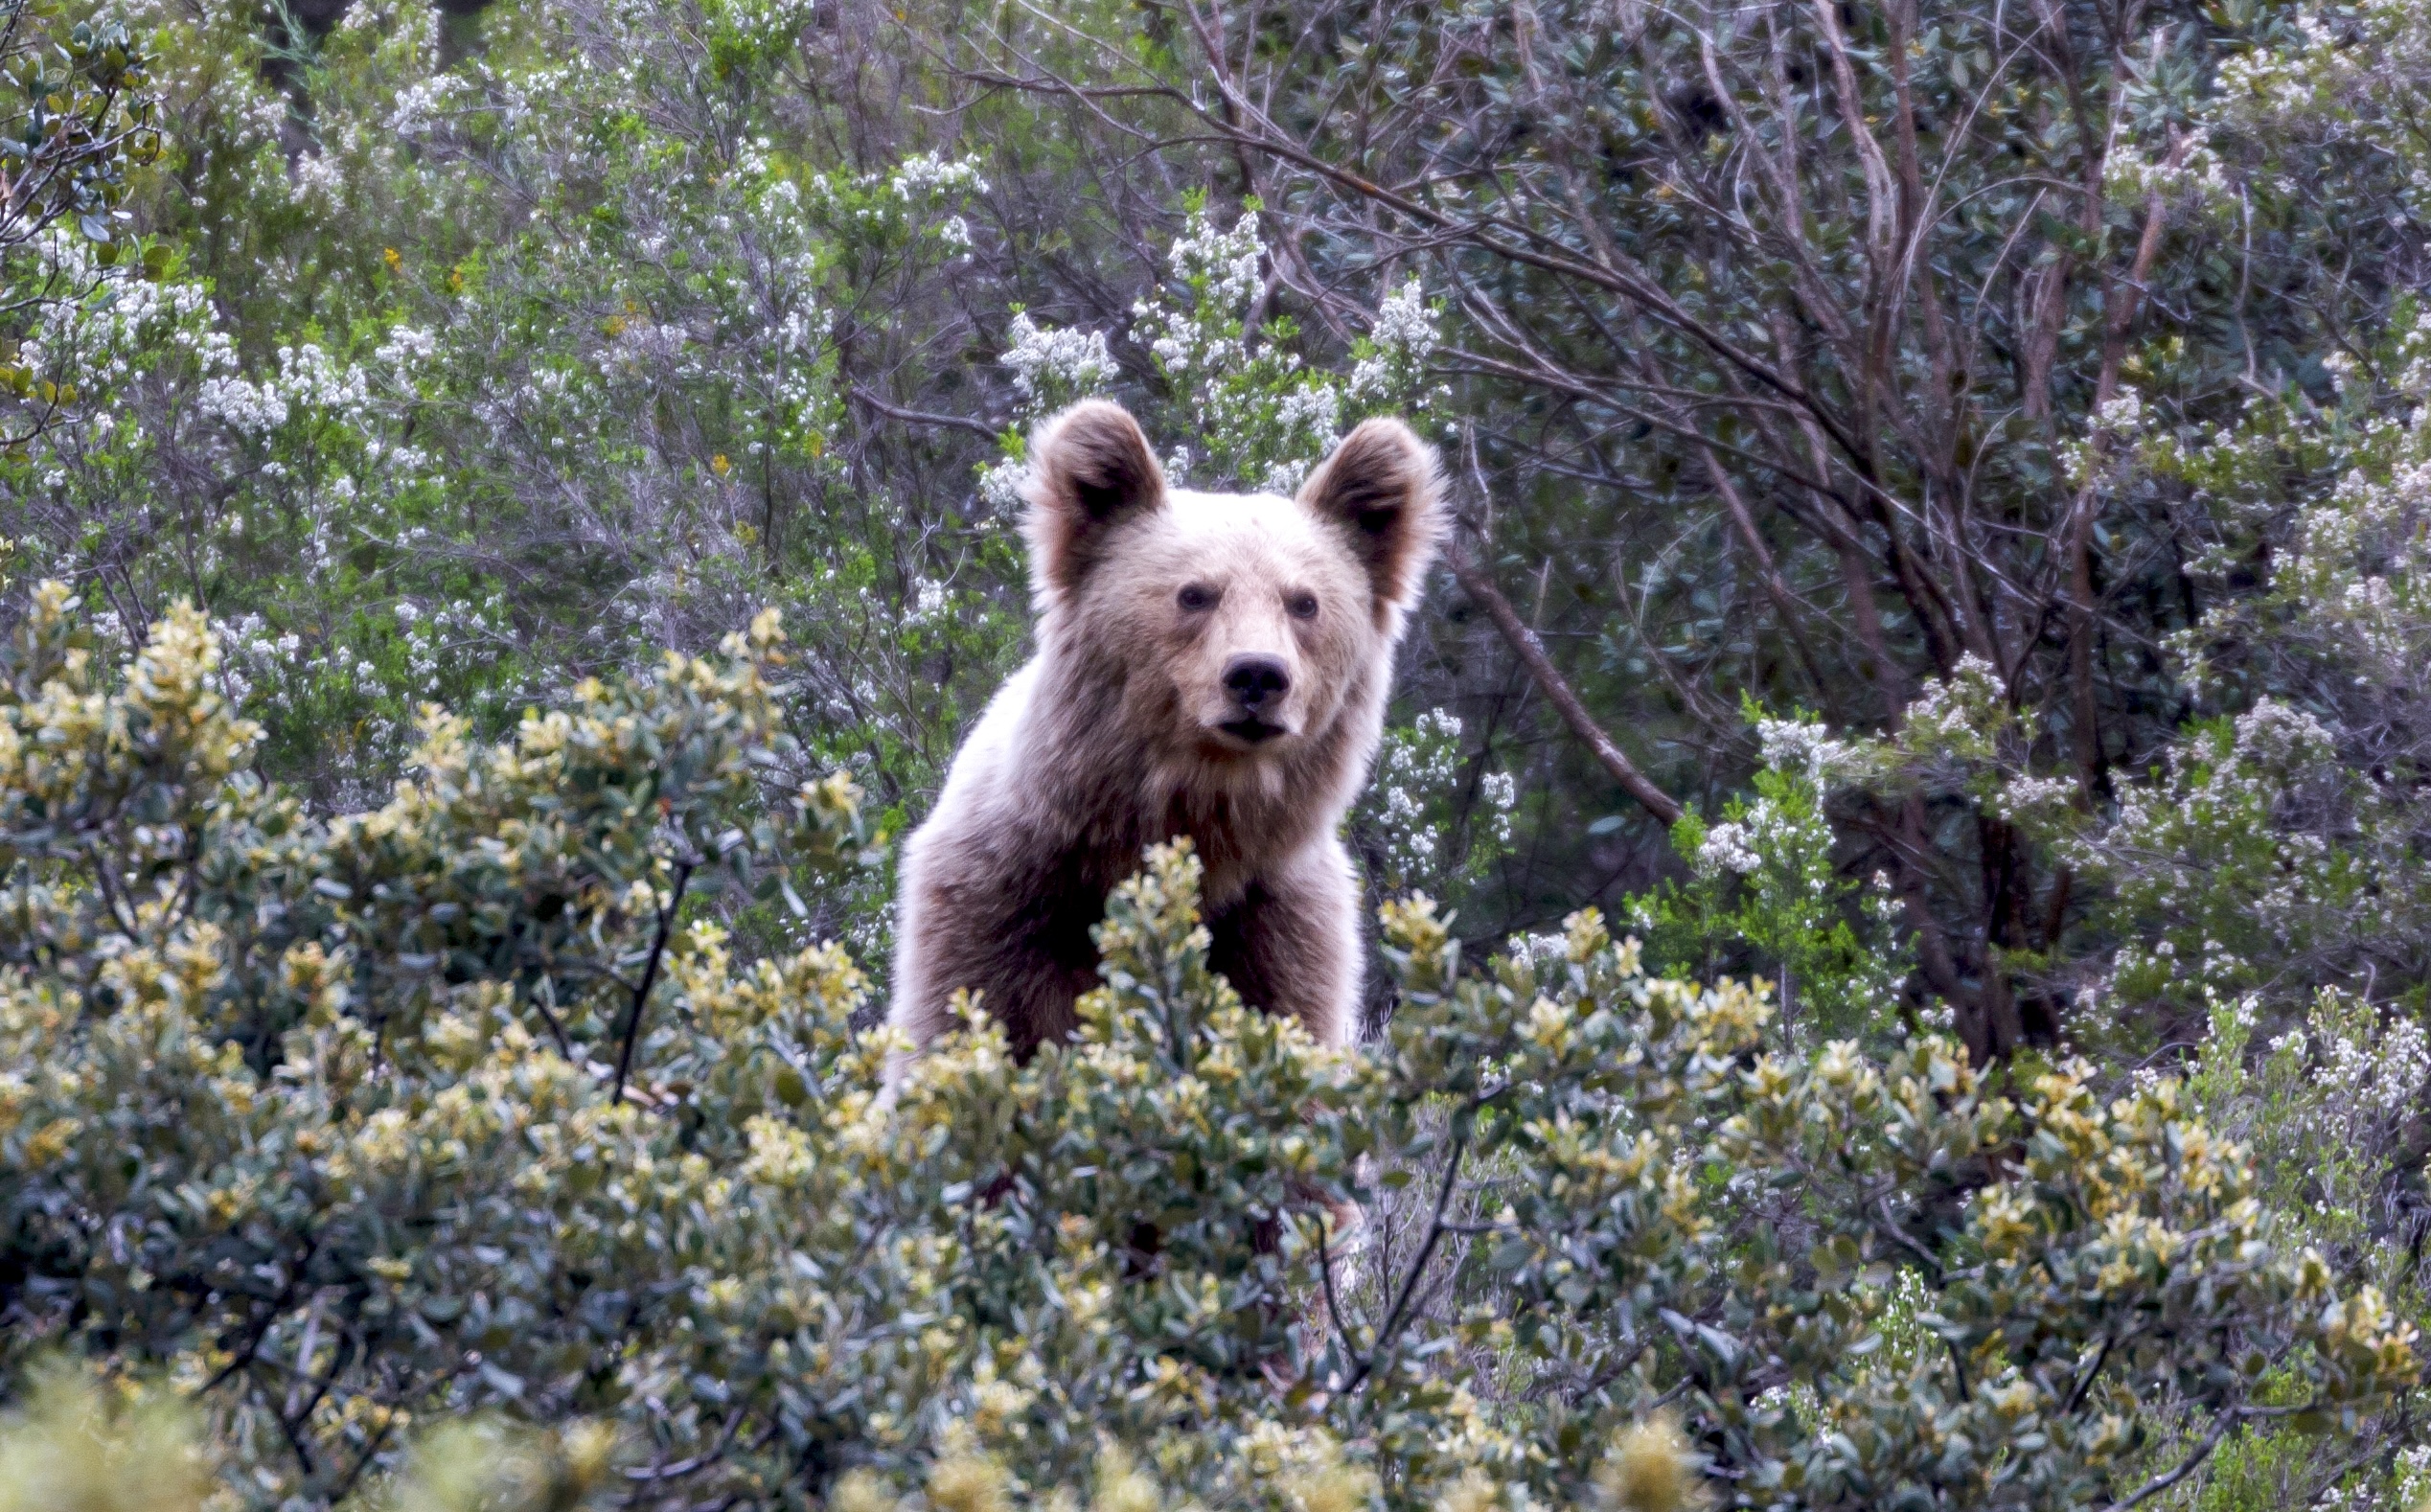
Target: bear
1206	665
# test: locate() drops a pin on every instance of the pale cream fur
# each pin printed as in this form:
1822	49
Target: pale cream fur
1112	738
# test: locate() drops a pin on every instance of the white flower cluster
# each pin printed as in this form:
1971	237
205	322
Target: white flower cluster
1534	951
250	654
769	23
2028	799
1263	417
1787	840
926	176
310	376
2413	1477
316	177
419	106
1053	367
2352	73
2361	567
2364	1072
1730	846
307	377
405	346
259	114
2198	176
1958	716
1206	339
434	639
251	409
105	325
2283	737
1806	747
930	602
1227	261
925	180
1405	337
2122	414
1407	807
1001	486
2111	432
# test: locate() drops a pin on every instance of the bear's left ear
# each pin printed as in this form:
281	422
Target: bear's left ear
1384	487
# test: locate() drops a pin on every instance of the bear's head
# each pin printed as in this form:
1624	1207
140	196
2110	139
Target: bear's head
1245	624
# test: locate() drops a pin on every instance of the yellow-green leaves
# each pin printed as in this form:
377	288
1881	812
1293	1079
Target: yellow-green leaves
77	1444
1650	1468
376	1134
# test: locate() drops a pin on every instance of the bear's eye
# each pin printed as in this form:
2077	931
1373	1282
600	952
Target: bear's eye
1303	606
1197	596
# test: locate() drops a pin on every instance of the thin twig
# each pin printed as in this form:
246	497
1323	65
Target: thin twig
2077	1397
685	1467
649	979
1891	1225
1435	1228
2202	1452
1325	1269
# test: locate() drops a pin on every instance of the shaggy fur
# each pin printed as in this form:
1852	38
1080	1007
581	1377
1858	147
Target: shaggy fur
1124	732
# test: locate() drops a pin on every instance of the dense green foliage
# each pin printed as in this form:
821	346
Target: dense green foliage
1941	557
343	1126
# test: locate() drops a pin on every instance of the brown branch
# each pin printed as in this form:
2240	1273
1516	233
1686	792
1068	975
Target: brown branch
922	417
1558	692
2121	298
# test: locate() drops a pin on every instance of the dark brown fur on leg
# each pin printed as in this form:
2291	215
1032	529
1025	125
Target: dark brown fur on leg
1292	945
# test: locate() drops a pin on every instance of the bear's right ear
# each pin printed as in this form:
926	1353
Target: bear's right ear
1090	469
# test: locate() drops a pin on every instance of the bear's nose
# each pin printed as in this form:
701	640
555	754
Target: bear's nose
1255	682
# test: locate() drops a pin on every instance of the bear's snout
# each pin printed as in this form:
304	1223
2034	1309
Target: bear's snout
1257	682
1257	685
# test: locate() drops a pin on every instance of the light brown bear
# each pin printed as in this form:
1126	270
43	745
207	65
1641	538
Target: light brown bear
1209	665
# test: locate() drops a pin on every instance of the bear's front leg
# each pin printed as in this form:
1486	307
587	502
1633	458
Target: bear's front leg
1016	936
1292	944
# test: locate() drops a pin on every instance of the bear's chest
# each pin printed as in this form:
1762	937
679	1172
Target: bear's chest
1055	904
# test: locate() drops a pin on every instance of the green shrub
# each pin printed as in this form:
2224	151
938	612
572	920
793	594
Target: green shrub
347	1129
